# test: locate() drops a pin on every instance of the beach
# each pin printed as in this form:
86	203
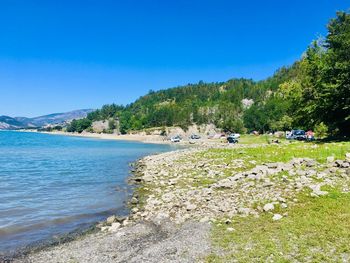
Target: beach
186	199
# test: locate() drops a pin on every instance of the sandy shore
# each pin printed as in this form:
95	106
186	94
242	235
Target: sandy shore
156	139
125	137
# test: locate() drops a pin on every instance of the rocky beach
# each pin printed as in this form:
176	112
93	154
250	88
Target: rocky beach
181	196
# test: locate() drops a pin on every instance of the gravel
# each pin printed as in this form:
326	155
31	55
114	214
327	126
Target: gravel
142	242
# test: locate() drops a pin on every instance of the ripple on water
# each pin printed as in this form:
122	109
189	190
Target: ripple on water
50	185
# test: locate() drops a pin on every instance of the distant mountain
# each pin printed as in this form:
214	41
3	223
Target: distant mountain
7	122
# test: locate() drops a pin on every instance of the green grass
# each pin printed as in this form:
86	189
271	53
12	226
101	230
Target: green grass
279	153
257	139
316	230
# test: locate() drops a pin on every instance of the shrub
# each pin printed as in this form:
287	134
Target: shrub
321	130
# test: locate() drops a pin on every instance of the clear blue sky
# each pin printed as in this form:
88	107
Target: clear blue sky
62	55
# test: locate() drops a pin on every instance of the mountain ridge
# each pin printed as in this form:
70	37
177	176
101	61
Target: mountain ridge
7	122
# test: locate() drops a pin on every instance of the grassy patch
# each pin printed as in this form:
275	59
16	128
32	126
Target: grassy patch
279	153
256	139
315	230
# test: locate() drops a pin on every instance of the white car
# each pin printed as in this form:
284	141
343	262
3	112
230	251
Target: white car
175	139
235	135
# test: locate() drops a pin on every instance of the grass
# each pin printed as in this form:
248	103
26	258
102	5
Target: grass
254	139
316	230
279	153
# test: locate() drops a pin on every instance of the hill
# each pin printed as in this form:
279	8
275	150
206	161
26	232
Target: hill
7	122
313	93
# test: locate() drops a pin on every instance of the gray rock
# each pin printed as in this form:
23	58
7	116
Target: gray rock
311	163
243	211
345	165
348	171
114	227
277	217
134	201
347	157
268	207
111	219
190	207
330	159
272	165
338	163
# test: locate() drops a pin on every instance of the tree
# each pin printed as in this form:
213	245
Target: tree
321	130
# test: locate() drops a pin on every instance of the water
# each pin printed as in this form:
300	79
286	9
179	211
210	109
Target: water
51	184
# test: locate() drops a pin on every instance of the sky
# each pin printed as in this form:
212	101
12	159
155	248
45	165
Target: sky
57	56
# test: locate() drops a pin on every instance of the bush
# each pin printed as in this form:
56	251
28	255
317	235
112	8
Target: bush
321	130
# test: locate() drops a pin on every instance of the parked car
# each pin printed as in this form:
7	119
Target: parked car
232	139
195	137
235	135
299	135
176	138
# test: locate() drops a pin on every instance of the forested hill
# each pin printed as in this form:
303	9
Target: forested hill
312	93
225	104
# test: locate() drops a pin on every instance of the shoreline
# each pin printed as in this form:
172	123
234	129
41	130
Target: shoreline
155	229
181	196
152	139
93	228
104	136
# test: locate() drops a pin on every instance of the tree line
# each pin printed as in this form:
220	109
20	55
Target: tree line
313	93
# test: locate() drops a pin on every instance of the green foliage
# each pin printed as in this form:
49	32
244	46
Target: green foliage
111	124
321	130
313	90
79	125
320	92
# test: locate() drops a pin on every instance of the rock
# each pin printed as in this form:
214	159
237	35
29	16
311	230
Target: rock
227	221
333	170
347	157
345	165
268	207
316	190
277	217
338	163
284	205
114	227
230	229
281	199
311	163
330	159
348	171
190	207
104	228
134	201
111	219
272	165
243	211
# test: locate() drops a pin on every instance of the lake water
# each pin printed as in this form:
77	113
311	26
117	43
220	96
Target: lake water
51	184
